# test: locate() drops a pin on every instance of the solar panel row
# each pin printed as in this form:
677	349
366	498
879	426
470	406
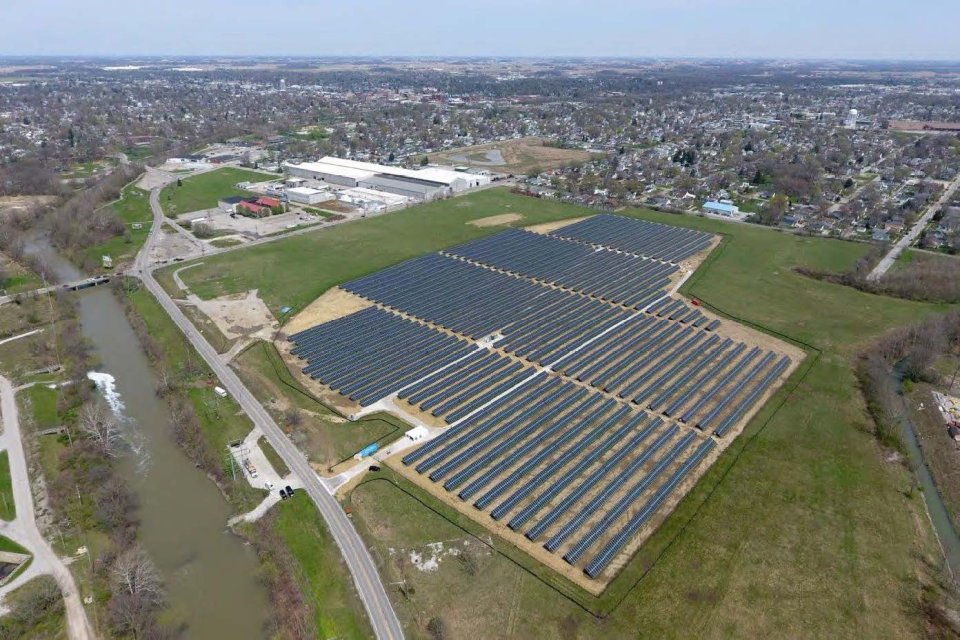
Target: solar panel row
372	353
537	322
616	277
642	238
551	457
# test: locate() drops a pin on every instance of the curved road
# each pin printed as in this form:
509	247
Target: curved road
23	529
383	619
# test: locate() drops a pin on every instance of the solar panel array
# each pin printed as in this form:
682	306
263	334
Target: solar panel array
649	239
628	280
370	354
563	465
536	322
577	457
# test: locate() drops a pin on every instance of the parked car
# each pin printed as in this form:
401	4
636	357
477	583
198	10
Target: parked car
289	491
283	494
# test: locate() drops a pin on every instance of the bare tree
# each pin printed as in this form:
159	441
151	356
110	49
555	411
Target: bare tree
98	424
138	592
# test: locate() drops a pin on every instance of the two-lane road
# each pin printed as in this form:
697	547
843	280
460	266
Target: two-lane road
884	265
383	619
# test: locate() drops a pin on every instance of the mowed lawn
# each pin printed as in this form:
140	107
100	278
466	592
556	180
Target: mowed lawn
203	191
801	529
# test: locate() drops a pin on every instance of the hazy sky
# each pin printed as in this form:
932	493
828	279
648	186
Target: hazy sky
891	29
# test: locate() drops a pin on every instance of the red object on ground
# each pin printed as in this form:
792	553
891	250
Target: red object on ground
695	302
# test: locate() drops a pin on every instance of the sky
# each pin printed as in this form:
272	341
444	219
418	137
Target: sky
841	29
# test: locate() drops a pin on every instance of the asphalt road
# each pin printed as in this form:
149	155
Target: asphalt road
23	529
383	619
884	265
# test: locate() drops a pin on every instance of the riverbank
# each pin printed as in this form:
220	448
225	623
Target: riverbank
209	575
311	590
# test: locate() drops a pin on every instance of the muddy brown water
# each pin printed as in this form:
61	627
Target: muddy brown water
209	572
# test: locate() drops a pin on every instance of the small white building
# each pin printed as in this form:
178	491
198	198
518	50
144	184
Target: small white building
417	433
308	195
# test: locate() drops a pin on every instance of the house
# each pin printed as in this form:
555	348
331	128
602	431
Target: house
247	208
880	235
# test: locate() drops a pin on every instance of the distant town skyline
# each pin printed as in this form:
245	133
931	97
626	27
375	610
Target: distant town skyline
812	29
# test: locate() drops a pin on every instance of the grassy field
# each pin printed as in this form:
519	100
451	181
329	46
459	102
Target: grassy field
303	267
323	576
133	207
204	190
800	529
8	510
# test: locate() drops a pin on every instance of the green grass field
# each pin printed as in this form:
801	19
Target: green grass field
133	207
800	529
323	576
204	190
303	267
8	510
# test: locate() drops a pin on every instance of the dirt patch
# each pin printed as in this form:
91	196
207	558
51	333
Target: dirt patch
494	221
24	203
241	315
333	304
547	227
523	155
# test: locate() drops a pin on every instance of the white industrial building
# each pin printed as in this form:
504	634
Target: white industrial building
423	185
308	195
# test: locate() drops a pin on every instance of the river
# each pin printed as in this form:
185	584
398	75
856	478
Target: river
939	516
209	572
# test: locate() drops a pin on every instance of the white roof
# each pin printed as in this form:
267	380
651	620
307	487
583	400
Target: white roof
444	176
417	432
305	191
334	169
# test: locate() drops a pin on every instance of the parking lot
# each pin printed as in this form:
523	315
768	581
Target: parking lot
221	221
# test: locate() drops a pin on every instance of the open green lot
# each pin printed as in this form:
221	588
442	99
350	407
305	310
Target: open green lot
801	529
204	190
133	208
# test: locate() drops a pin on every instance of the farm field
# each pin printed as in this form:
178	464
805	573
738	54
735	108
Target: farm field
520	156
204	190
800	528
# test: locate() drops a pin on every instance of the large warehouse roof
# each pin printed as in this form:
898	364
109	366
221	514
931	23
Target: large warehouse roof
442	176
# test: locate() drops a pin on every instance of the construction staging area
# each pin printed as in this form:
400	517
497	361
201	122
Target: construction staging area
572	399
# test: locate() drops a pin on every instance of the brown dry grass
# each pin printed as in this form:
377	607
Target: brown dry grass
494	221
547	227
333	304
